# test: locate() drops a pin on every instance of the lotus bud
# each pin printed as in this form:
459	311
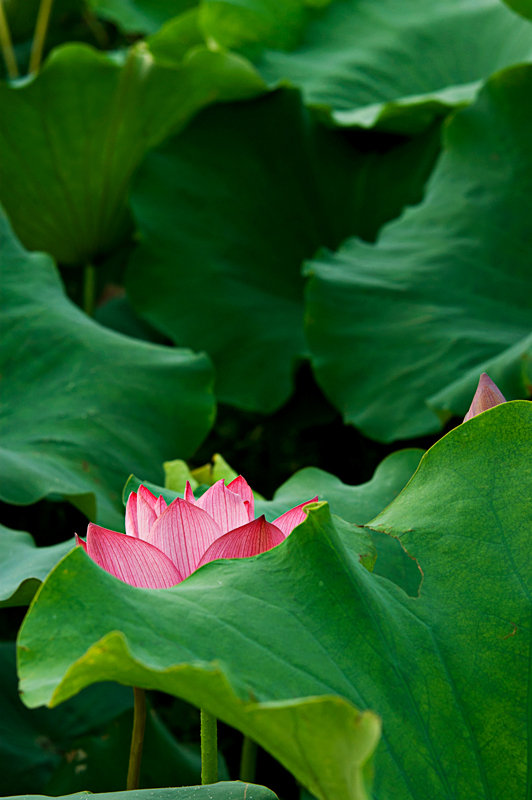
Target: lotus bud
487	395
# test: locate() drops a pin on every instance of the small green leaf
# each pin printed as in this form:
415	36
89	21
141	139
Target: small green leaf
176	475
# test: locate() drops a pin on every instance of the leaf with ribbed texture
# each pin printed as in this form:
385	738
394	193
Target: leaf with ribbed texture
238	292
448	669
398	65
83	406
400	331
71	137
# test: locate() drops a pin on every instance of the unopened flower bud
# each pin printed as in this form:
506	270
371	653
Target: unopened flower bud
487	395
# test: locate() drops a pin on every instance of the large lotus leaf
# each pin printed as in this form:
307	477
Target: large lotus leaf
71	137
448	670
399	64
445	293
140	16
322	738
259	23
237	291
23	566
523	7
82	406
218	791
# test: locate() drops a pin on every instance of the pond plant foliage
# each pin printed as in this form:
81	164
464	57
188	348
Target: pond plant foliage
295	233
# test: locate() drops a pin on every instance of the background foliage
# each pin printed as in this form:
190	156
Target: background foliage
306	228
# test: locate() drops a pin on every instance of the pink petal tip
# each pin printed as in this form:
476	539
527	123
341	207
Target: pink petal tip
248	540
486	396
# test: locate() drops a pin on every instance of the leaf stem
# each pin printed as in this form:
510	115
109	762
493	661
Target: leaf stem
209	747
89	287
248	760
41	26
7	45
137	739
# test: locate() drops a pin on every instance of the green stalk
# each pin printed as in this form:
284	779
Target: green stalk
7	45
137	739
89	288
248	760
209	748
41	26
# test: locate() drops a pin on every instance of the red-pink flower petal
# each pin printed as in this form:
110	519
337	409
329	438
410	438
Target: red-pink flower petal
146	514
290	519
189	494
184	532
241	487
249	540
132	528
486	396
226	508
130	559
147	496
80	542
160	505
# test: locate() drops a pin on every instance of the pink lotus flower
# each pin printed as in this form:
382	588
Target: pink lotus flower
486	396
164	544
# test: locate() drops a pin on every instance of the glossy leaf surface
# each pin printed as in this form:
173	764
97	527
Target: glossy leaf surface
83	405
445	293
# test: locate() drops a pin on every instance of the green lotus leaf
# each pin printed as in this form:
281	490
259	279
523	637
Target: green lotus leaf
71	137
400	331
523	7
447	669
82	405
23	566
263	222
217	791
140	16
374	62
256	23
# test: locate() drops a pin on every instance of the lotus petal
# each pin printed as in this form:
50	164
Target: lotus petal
189	494
226	508
80	542
132	560
132	528
487	396
184	532
249	540
241	487
290	519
